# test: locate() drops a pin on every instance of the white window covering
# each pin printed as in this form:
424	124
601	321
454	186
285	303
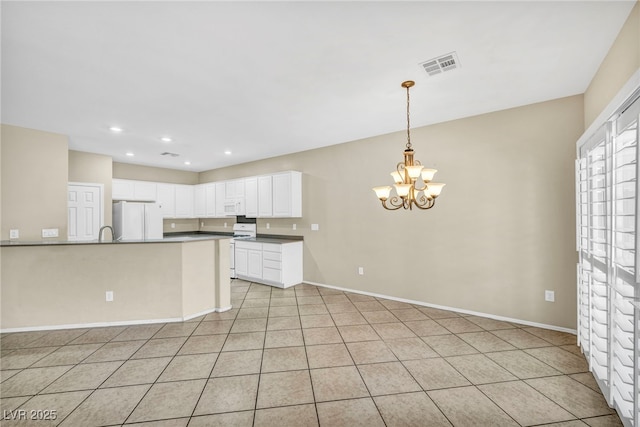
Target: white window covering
608	289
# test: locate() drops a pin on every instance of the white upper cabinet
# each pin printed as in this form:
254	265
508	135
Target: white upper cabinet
130	190
277	195
145	191
251	197
167	200
200	201
265	196
210	196
184	201
287	194
220	198
234	189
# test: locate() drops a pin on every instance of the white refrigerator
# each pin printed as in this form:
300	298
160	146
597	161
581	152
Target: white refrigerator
137	221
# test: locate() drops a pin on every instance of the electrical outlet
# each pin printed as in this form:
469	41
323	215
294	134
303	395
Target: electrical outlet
268	226
549	296
14	234
202	224
361	271
315	227
49	232
225	225
295	227
173	225
109	296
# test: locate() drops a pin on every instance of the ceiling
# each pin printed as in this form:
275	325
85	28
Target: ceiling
263	79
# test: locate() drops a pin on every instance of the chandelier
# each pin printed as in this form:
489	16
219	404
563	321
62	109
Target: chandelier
409	191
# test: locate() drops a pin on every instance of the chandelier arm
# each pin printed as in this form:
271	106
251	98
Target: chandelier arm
421	189
424	203
394	202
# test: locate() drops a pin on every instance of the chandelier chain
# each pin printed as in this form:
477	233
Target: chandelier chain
408	122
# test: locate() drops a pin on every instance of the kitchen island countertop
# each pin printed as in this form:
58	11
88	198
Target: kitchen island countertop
168	238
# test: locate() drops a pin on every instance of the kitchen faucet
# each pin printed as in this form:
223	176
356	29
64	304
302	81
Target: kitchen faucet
113	235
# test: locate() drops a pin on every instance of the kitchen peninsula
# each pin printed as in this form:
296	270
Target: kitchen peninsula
60	284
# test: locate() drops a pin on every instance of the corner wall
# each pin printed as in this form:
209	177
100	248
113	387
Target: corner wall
34	182
621	62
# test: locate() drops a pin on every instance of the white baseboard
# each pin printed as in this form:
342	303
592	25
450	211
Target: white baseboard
454	309
107	324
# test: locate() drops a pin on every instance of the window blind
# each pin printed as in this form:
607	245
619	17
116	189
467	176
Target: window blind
608	290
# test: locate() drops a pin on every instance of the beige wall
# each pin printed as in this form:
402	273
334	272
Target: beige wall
622	60
500	235
34	182
96	169
54	286
148	173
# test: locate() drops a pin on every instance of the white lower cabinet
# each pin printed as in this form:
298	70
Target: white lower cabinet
241	261
254	261
276	264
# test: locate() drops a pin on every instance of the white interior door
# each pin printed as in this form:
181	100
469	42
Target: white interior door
84	207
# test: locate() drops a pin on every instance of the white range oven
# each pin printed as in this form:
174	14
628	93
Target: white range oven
240	231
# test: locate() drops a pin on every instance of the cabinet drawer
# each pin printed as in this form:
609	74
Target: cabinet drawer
272	275
272	247
267	263
273	256
248	245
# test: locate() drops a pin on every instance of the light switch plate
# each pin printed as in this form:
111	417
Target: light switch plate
315	227
295	227
109	296
14	234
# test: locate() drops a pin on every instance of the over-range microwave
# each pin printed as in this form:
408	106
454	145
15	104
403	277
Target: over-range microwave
233	207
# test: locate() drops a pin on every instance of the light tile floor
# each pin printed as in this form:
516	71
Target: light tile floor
303	356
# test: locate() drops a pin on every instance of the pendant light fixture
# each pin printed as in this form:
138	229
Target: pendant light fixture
412	181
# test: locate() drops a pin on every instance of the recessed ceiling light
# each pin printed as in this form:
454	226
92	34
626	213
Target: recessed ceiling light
115	129
130	154
187	162
227	152
165	139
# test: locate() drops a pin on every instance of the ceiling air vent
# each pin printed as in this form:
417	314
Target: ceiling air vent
166	153
441	64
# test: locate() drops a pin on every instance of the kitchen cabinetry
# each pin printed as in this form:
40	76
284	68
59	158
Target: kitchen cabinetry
210	196
287	194
248	260
167	200
130	190
251	197
241	261
276	264
234	188
277	195
184	201
200	201
265	197
220	199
